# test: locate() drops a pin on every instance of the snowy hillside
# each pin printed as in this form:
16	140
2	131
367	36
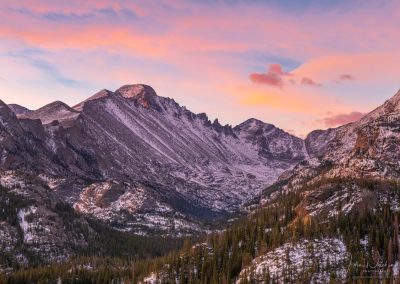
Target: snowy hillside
293	259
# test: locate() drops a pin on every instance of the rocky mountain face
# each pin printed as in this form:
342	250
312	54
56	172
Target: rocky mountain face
56	111
142	162
34	227
368	148
37	227
346	163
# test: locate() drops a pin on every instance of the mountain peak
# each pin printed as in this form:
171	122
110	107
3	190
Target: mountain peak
389	108
141	94
57	105
54	111
397	95
394	101
136	90
252	123
18	109
8	119
5	109
101	94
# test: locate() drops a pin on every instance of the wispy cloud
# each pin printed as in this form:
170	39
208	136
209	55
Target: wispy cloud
32	56
346	77
310	82
58	15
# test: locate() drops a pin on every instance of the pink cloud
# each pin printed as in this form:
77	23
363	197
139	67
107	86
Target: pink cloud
342	118
346	77
309	82
273	76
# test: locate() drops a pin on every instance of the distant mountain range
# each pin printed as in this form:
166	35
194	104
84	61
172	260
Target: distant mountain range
142	161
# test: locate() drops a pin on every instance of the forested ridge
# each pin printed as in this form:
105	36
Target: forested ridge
370	236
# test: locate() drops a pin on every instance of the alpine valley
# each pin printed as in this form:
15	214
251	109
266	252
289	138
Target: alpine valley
129	186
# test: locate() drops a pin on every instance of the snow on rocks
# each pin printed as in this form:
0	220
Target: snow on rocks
330	199
10	180
300	256
25	225
151	279
107	198
131	207
52	182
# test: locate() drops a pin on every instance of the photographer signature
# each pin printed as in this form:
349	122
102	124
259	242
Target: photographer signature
379	265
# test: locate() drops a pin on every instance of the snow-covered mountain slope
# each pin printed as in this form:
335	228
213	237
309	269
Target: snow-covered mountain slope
51	112
368	148
350	167
185	164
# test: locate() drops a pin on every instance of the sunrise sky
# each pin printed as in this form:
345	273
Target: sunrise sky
300	65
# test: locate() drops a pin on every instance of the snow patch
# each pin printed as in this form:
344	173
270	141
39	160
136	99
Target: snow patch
297	257
24	224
